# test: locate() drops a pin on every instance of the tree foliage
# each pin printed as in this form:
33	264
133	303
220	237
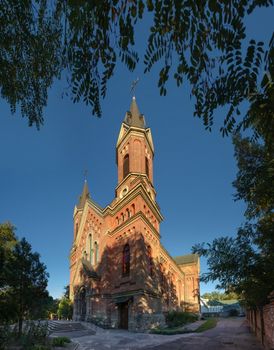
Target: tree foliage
65	309
220	296
30	56
244	264
23	278
198	41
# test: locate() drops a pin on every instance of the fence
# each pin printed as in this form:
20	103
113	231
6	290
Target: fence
261	321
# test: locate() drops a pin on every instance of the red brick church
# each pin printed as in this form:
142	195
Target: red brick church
120	274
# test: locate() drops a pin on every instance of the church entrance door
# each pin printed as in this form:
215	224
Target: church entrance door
123	315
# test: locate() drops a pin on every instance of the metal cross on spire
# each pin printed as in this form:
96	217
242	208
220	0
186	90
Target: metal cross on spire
133	86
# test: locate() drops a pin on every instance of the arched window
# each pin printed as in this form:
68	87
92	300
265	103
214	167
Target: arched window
90	249
96	248
147	167
133	209
126	165
126	261
150	260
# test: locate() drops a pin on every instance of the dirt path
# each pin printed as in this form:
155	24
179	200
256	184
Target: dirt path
230	333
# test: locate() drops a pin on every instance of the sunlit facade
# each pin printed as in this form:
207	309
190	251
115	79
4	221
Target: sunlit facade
120	274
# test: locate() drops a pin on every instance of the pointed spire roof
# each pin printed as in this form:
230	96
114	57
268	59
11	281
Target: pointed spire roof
134	117
84	196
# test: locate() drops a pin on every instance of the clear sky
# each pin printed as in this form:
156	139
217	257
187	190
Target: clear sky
42	172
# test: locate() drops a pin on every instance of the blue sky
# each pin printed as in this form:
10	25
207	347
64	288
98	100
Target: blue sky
42	172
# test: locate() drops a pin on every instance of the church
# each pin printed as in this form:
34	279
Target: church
121	276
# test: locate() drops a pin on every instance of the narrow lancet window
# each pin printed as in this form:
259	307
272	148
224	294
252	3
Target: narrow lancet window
150	261
126	165
90	249
96	248
126	260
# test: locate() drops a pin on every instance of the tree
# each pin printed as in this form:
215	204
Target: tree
66	294
244	264
65	309
220	296
7	243
26	281
44	308
198	41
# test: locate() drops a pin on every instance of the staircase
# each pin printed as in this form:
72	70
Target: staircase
66	326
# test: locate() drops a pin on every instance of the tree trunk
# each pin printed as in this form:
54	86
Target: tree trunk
20	326
262	324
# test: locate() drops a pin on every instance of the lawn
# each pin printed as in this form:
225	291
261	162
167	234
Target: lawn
208	324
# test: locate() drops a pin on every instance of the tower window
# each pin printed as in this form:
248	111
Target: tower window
126	260
150	261
96	248
90	249
147	167
126	165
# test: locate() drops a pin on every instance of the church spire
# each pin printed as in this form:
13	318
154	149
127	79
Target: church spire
84	196
134	117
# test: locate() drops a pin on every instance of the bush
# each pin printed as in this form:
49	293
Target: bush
179	318
40	347
34	333
34	336
6	335
60	341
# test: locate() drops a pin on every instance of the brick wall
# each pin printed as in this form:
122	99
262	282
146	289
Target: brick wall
262	323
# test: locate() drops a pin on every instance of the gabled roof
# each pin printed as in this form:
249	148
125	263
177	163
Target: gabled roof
90	272
134	117
186	259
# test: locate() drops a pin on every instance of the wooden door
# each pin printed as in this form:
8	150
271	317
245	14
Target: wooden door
124	315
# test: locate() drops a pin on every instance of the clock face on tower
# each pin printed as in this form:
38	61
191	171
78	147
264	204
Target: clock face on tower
124	191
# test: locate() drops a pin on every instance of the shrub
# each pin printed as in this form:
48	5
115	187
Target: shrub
60	341
6	335
179	318
34	333
40	347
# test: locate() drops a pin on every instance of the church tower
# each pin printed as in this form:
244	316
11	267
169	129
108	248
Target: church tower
134	153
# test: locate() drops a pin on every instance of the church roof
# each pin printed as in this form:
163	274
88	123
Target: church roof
84	196
89	270
134	117
186	259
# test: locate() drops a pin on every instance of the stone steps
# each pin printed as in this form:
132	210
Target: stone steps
65	326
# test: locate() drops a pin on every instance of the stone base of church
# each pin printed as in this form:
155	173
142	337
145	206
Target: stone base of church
142	313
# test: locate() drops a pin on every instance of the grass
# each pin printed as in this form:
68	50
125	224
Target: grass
208	324
169	331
